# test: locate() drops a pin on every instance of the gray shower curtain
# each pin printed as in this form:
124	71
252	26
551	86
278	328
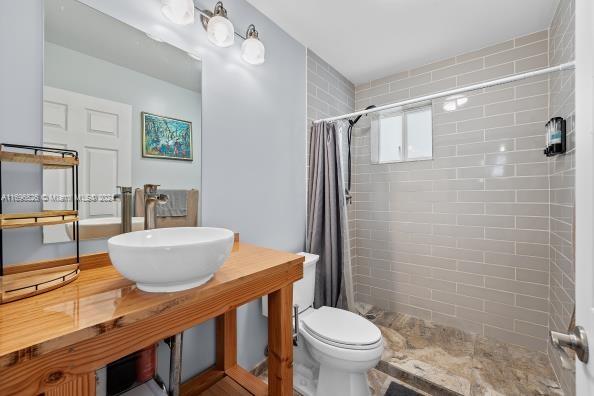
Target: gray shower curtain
327	229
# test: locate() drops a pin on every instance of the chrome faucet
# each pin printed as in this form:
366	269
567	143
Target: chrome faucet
151	199
125	197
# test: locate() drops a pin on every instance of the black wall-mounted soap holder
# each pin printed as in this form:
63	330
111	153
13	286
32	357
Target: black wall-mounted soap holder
556	140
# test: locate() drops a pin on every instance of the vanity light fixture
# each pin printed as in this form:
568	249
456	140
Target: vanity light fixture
180	12
252	49
218	27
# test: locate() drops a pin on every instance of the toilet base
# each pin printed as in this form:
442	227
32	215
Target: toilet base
304	380
334	370
337	382
333	382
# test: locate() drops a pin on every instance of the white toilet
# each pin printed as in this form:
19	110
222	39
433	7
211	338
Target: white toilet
336	347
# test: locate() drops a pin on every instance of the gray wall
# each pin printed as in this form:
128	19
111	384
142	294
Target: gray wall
21	79
562	184
253	162
463	239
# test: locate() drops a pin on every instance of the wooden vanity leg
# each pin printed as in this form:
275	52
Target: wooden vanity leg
80	385
226	344
280	342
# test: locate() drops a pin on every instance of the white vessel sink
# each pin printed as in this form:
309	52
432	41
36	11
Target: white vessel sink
102	227
170	259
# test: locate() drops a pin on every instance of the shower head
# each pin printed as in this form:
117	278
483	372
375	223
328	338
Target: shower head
349	139
356	120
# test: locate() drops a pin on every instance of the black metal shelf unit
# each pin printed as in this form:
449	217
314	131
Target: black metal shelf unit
47	156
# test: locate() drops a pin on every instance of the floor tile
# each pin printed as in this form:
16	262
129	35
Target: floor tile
449	361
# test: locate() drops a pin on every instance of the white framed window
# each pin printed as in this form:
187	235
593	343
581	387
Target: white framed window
402	135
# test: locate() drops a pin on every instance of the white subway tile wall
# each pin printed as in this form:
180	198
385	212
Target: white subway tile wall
562	184
329	93
480	238
463	239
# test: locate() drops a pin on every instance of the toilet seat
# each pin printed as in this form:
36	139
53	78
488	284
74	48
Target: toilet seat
342	329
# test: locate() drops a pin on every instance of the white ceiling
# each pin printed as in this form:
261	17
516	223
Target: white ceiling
81	28
369	39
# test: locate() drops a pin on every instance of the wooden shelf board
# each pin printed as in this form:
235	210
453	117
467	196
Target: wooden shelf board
45	213
26	284
235	381
42	159
226	386
45	222
38	219
87	261
249	381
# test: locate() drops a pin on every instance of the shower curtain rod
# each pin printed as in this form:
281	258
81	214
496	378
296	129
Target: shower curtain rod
504	80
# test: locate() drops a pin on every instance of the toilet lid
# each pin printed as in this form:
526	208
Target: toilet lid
341	328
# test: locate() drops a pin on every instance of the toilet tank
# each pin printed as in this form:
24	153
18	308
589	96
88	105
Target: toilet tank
303	289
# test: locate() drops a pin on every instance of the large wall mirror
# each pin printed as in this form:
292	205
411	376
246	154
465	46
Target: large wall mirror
131	106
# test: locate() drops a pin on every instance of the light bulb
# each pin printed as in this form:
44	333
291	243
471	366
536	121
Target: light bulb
180	12
220	31
253	51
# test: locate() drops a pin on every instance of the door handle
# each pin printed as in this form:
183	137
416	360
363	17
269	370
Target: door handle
576	340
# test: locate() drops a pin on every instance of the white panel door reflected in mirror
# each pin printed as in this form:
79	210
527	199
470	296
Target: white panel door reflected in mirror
100	76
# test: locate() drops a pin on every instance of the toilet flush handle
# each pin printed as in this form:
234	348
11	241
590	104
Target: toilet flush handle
296	330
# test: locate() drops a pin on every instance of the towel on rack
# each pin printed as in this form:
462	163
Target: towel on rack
176	205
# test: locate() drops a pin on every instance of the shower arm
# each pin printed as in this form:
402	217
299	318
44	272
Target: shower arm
349	160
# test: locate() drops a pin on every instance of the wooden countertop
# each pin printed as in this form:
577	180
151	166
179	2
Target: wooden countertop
101	301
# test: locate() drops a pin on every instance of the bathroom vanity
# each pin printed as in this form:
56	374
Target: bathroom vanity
54	343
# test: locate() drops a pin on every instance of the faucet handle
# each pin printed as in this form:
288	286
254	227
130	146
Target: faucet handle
123	190
162	198
117	195
150	188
